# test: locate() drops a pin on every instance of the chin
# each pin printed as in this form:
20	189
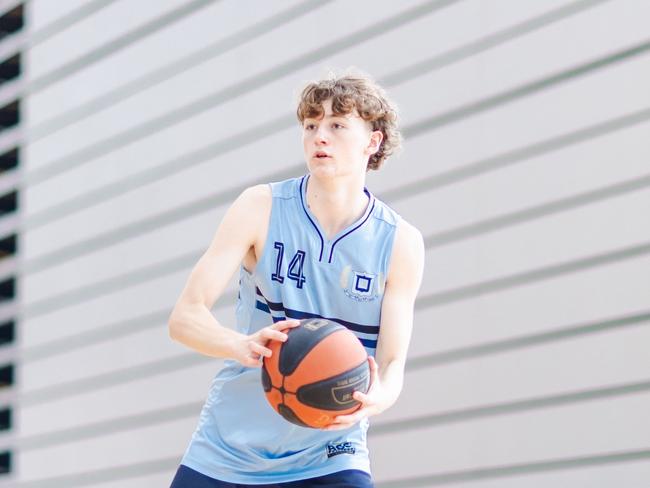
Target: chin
321	169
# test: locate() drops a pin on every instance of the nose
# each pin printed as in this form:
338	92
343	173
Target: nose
320	136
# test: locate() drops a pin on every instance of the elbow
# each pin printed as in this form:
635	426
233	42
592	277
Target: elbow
174	326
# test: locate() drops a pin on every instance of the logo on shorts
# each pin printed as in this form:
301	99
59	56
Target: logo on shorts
340	448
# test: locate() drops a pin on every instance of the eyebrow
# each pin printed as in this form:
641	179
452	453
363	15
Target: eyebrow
330	116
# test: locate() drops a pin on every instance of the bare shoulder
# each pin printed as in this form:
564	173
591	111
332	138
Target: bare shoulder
407	260
256	196
408	237
244	217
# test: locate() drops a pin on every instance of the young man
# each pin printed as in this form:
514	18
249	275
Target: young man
316	246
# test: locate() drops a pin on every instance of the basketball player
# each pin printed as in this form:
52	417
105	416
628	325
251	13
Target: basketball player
319	245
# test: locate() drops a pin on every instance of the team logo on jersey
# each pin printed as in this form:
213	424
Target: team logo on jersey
361	285
340	448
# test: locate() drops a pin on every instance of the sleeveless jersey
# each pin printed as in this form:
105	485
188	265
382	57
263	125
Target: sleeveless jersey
301	274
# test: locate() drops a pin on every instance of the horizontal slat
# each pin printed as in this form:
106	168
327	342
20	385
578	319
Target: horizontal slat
530	373
6	5
577	93
463	86
143	444
540	436
570	237
119	22
598	471
153	144
9	224
150	345
554	178
488	197
157	294
542	243
202	26
44	14
583	368
585	429
120	401
141	69
137	110
9	180
12	44
540	307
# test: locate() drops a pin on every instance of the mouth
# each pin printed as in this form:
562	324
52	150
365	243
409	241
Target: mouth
321	155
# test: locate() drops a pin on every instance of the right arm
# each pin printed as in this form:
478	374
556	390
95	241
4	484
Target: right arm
242	230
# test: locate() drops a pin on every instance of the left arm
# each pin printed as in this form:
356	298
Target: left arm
402	284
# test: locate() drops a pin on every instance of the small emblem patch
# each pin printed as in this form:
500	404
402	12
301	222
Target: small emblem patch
360	286
340	448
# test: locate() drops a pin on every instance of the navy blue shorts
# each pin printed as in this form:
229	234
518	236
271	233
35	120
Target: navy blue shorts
351	478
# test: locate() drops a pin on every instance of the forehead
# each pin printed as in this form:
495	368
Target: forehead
329	114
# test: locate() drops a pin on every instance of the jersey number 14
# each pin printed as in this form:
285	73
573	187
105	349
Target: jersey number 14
294	272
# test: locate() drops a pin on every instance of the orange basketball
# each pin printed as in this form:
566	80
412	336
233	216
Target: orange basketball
310	378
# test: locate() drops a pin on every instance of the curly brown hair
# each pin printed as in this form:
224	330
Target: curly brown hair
352	91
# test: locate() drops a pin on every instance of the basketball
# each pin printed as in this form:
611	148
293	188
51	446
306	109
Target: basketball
310	378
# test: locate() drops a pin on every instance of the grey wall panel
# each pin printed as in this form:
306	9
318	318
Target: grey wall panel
141	481
580	364
74	230
556	181
525	166
539	244
576	474
572	302
270	50
54	320
195	177
117	19
216	28
52	419
54	145
98	359
138	445
601	82
44	12
122	355
230	69
587	429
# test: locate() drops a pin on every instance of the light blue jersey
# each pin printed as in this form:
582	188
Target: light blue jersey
301	274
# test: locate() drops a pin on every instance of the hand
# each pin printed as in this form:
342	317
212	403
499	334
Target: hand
371	402
250	349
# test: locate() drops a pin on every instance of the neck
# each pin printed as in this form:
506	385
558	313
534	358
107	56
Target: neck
336	204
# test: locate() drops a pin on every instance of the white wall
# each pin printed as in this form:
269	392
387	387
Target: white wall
525	166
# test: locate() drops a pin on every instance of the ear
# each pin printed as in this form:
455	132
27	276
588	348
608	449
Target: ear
375	141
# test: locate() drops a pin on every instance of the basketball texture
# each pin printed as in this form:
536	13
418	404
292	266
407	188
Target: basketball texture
310	378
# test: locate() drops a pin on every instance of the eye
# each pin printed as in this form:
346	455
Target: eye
336	125
309	126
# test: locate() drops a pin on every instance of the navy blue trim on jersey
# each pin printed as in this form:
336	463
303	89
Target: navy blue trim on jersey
322	241
262	306
298	315
279	307
276	307
351	231
371	206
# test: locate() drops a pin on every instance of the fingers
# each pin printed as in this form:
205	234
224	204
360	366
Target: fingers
259	350
276	331
285	324
374	371
360	397
268	334
251	362
373	363
346	421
